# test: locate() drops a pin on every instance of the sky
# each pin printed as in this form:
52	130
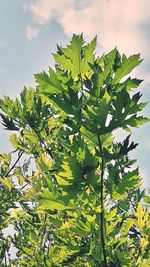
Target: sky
30	30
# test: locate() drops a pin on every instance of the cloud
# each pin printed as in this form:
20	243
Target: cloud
31	32
45	10
117	23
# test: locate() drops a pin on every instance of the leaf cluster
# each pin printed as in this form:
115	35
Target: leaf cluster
75	199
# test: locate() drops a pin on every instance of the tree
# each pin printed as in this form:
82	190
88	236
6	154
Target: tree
73	194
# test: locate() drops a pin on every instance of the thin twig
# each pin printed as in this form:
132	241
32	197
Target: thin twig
13	166
20	189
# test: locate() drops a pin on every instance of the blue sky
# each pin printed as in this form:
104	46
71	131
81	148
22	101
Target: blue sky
30	30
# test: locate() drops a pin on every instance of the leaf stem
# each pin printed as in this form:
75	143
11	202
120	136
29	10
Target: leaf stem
102	203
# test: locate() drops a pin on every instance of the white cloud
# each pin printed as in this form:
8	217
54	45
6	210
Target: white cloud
31	32
117	23
45	10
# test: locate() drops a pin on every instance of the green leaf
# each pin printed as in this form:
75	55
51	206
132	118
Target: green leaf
27	99
88	56
129	84
65	63
127	226
13	140
146	263
102	76
129	181
8	123
51	201
7	183
44	162
147	199
111	215
62	181
28	251
127	65
46	84
135	121
141	215
33	238
71	57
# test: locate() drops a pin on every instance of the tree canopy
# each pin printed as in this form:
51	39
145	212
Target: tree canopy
69	190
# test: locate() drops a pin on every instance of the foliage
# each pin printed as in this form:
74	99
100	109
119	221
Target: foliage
73	194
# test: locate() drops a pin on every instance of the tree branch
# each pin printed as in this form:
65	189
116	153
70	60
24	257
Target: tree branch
102	203
13	166
15	163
